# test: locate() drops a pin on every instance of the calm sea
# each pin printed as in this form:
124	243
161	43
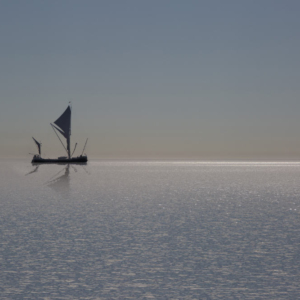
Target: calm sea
150	230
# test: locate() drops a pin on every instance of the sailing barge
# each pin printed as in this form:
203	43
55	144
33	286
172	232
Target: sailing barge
63	126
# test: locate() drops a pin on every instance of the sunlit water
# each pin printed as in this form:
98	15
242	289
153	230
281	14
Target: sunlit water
150	230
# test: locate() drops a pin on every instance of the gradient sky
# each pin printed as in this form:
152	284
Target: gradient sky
152	79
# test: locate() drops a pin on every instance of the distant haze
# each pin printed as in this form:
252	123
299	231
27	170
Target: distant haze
152	79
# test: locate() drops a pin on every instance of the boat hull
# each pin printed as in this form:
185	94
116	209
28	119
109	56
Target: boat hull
73	160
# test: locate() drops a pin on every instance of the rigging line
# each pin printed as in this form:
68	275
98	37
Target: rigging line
74	150
84	146
59	138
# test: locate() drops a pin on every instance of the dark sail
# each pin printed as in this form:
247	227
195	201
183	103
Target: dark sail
64	127
64	123
38	145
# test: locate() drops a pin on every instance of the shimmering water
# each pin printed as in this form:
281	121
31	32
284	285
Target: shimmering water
157	230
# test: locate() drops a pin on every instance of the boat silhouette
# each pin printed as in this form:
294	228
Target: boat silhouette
61	126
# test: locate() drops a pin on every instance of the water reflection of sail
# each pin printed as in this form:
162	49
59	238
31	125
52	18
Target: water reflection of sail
61	183
34	170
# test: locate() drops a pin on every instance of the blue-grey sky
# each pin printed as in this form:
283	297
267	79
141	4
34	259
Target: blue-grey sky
152	79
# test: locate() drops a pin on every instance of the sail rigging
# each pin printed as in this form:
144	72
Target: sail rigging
54	128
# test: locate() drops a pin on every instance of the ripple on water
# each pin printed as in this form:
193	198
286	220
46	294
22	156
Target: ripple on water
139	230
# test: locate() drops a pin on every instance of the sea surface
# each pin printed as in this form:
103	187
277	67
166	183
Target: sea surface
150	230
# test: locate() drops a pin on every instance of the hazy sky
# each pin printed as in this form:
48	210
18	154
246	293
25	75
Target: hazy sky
152	79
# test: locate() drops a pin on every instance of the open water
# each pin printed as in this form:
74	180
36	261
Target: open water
150	230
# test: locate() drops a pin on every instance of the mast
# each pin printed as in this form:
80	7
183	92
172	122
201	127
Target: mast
69	136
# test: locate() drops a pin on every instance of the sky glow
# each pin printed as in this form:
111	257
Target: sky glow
152	79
